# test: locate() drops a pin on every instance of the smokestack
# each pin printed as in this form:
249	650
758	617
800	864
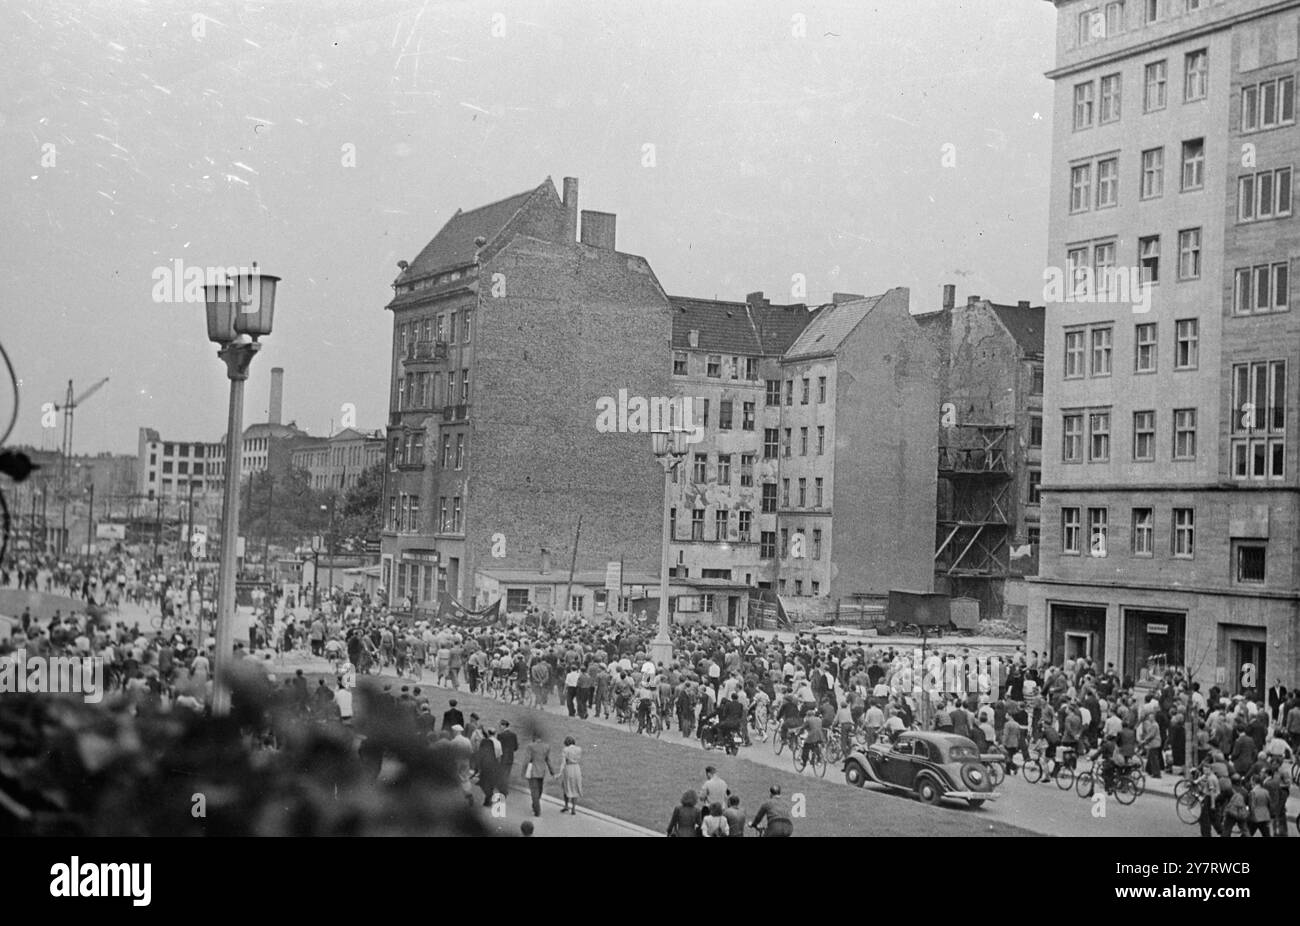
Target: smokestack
570	209
277	395
949	296
598	229
972	300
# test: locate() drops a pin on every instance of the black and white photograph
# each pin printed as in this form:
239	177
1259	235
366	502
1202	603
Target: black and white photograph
565	418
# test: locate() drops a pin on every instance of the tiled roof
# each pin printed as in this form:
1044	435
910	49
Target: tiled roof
831	326
454	245
736	327
1025	324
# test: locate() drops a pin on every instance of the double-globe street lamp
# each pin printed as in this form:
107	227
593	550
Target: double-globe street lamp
239	312
669	449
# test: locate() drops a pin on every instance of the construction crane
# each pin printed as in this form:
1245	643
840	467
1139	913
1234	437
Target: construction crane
70	405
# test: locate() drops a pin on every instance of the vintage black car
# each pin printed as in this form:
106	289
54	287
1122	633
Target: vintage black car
933	766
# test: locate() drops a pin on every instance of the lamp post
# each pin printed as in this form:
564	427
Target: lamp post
90	522
669	451
239	311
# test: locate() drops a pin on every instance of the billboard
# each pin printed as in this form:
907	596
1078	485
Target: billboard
110	531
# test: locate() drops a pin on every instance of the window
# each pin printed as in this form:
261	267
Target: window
1032	535
672	523
1076	262
1072	438
1184	538
1186	341
1035	431
392	512
1196	75
1107	182
735	368
1153	173
1267	105
1189	254
789	392
713	366
679	363
1150	11
1097	523
751	369
1184	434
747	417
1144	340
1110	99
1143	532
1073	354
785	542
746	469
767	545
1035	486
1036	380
744	526
1249	559
1083	98
1155	81
816	588
446	451
803	492
1261	289
803	442
443	521
771	441
1080	187
1115	17
724	415
704	415
464	327
1264	195
769	498
464	390
700	468
821	439
721	523
821	390
785	493
1101	351
1144	436
1149	260
806	392
773	392
816	548
1193	164
724	469
785	442
1098	437
451	328
1259	420
1069	530
697	524
818	486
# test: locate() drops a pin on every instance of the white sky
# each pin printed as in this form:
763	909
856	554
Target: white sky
775	155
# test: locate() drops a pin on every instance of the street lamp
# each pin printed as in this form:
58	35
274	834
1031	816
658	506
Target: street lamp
239	311
669	450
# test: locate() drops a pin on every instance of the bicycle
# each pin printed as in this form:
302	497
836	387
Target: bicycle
647	721
1039	766
1122	785
834	748
1189	796
815	757
784	736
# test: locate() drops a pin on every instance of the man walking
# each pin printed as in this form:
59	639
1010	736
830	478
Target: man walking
537	763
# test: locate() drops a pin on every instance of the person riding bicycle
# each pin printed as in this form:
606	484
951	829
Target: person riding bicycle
775	814
812	735
1105	754
789	716
731	718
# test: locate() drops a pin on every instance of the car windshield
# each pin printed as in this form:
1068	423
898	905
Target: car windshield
963	752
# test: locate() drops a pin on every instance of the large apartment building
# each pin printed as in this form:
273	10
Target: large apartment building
335	463
508	333
1170	504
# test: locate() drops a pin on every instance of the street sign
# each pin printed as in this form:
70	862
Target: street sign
613	576
317	543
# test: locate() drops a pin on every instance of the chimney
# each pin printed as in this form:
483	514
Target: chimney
949	296
277	395
1023	304
758	299
570	210
598	229
545	567
971	300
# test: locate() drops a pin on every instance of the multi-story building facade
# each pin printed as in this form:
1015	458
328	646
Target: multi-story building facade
172	469
335	463
726	356
1169	475
990	449
855	478
508	332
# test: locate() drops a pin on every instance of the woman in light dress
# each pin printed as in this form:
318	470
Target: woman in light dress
571	775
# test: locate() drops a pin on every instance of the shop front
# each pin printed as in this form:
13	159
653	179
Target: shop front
1077	632
1153	641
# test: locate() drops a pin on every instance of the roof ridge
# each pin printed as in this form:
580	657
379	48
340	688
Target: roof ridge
496	202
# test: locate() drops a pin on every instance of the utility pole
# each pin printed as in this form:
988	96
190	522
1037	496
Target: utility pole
573	564
189	529
157	537
331	547
266	531
90	521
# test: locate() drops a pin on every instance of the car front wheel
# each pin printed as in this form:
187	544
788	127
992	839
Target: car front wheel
927	791
854	775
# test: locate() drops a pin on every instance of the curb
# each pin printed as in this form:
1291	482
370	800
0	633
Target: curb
594	814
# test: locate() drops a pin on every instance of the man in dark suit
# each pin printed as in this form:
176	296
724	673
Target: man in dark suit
509	746
451	717
1276	698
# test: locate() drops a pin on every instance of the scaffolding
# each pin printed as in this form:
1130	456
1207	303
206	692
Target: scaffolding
975	514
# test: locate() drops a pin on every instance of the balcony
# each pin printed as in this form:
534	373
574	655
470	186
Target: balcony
424	353
455	412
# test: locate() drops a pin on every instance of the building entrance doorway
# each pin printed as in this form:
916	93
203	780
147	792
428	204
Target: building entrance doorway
1247	650
1077	631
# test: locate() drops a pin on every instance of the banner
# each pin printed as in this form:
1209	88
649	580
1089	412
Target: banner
449	609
